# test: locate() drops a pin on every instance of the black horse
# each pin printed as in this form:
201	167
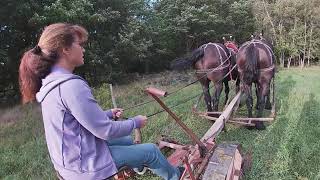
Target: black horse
212	62
256	64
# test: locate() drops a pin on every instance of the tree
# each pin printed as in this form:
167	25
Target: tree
292	25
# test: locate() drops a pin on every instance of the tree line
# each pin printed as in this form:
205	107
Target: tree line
294	27
143	36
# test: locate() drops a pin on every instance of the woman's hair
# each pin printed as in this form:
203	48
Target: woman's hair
36	63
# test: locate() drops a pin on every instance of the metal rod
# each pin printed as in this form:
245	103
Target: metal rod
185	160
204	162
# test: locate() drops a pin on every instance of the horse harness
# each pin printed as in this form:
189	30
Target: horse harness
222	64
254	42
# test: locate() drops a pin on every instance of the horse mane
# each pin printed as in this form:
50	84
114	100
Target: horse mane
186	62
251	67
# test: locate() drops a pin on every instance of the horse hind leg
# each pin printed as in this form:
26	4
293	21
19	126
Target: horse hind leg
237	85
249	100
226	90
215	100
268	103
257	94
262	102
206	92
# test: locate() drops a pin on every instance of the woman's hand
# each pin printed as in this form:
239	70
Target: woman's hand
117	113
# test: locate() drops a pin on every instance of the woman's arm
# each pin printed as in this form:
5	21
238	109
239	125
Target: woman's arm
79	100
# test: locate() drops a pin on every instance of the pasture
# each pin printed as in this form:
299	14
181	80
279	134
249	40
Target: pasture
288	149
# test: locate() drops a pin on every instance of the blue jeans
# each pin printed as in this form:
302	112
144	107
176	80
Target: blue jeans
125	153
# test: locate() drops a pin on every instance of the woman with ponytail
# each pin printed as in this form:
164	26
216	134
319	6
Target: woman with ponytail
84	142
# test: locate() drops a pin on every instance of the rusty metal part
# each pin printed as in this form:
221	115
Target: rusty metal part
197	157
186	162
204	163
175	158
156	92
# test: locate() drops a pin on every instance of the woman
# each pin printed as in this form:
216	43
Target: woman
82	139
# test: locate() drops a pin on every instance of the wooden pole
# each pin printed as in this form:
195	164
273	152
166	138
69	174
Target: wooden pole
239	119
137	131
112	97
219	124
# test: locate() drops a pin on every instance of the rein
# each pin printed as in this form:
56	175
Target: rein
205	72
268	69
197	95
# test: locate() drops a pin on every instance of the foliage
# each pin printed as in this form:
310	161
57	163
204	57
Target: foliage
125	36
103	96
294	26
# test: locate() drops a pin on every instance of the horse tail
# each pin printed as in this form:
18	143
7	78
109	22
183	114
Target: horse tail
251	67
186	62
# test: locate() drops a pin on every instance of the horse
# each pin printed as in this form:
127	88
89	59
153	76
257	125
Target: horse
212	62
256	64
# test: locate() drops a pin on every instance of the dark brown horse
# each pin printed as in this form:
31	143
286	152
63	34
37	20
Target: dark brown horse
212	62
256	64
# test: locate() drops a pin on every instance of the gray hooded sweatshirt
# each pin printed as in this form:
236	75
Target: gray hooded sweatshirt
76	128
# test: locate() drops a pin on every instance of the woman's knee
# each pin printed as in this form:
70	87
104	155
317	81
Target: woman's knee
151	147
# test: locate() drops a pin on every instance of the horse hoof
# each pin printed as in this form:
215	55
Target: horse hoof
260	126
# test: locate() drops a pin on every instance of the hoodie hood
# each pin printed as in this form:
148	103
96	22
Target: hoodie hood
51	82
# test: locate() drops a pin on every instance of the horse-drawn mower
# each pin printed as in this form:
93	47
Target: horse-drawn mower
205	159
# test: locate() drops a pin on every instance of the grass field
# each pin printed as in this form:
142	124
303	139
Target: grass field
288	149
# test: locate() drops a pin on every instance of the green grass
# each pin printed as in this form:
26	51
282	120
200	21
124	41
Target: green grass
288	149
